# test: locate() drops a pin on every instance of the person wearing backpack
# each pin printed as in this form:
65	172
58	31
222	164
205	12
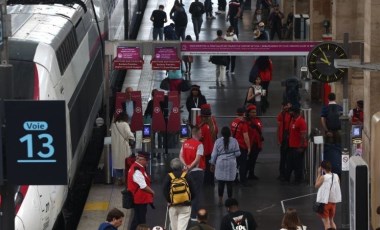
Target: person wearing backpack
331	126
178	190
197	10
180	20
237	219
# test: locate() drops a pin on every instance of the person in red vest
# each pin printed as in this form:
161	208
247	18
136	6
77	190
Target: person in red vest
239	130
191	156
283	123
207	123
139	184
256	139
297	145
357	114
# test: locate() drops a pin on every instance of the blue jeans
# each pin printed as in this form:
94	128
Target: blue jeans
197	23
158	31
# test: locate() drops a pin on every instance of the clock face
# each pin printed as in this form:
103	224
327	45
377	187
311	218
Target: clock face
321	62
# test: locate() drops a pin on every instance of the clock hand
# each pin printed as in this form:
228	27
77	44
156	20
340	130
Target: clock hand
325	59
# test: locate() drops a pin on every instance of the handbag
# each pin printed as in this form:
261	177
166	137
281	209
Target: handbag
131	142
319	207
165	84
127	199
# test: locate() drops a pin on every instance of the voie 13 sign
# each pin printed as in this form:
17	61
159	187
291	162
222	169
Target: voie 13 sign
36	142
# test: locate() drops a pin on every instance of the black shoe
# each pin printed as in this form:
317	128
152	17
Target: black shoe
253	177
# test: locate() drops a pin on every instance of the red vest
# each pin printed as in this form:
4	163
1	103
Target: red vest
139	196
189	151
255	132
357	116
283	120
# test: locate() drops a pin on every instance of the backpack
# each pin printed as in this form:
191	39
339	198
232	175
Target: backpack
197	10
291	93
239	224
332	119
180	18
179	190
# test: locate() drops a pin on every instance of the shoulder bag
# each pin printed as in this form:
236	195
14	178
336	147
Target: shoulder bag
319	207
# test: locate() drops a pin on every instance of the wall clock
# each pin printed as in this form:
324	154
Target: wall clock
320	62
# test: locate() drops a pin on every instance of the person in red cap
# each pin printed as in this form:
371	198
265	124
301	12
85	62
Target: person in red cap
239	130
256	140
139	183
191	156
207	123
283	124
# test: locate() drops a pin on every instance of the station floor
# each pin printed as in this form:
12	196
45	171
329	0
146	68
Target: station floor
267	198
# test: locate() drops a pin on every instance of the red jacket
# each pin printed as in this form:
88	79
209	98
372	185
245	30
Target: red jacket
283	120
266	75
208	140
139	196
238	128
189	152
255	132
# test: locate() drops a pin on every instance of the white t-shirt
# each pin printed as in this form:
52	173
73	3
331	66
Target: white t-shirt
326	195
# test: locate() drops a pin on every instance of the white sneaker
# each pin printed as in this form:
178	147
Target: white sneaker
193	219
233	73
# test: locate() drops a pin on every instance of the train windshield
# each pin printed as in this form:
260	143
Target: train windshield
23	79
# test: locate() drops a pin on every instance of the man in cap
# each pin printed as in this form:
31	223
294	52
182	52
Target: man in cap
260	34
191	156
297	145
236	218
209	129
239	130
256	140
139	183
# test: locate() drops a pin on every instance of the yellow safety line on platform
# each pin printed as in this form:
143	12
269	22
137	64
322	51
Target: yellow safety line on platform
96	206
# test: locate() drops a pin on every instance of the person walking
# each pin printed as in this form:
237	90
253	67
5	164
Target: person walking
188	59
239	130
179	214
197	10
113	221
220	67
191	156
223	162
329	193
139	184
236	218
233	15
180	20
231	36
159	18
208	9
291	221
121	134
275	22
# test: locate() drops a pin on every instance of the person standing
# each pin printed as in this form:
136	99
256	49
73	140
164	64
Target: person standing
291	221
180	20
297	145
139	184
233	15
220	68
195	100
188	59
207	124
283	124
223	161
191	156
357	114
255	92
158	18
179	214
121	133
236	218
275	23
231	36
197	10
202	216
329	193
239	130
113	221
256	140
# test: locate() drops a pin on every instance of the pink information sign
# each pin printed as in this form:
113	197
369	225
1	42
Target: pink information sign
165	58
128	58
248	48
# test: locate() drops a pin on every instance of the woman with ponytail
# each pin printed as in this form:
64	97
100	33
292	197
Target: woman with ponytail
223	162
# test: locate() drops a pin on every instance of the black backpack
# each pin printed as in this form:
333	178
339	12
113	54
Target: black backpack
180	18
332	119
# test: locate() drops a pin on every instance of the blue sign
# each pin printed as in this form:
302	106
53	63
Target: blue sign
36	142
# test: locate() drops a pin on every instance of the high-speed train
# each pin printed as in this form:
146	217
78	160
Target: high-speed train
57	54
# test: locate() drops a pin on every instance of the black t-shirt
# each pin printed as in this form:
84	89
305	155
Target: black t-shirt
232	220
158	18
